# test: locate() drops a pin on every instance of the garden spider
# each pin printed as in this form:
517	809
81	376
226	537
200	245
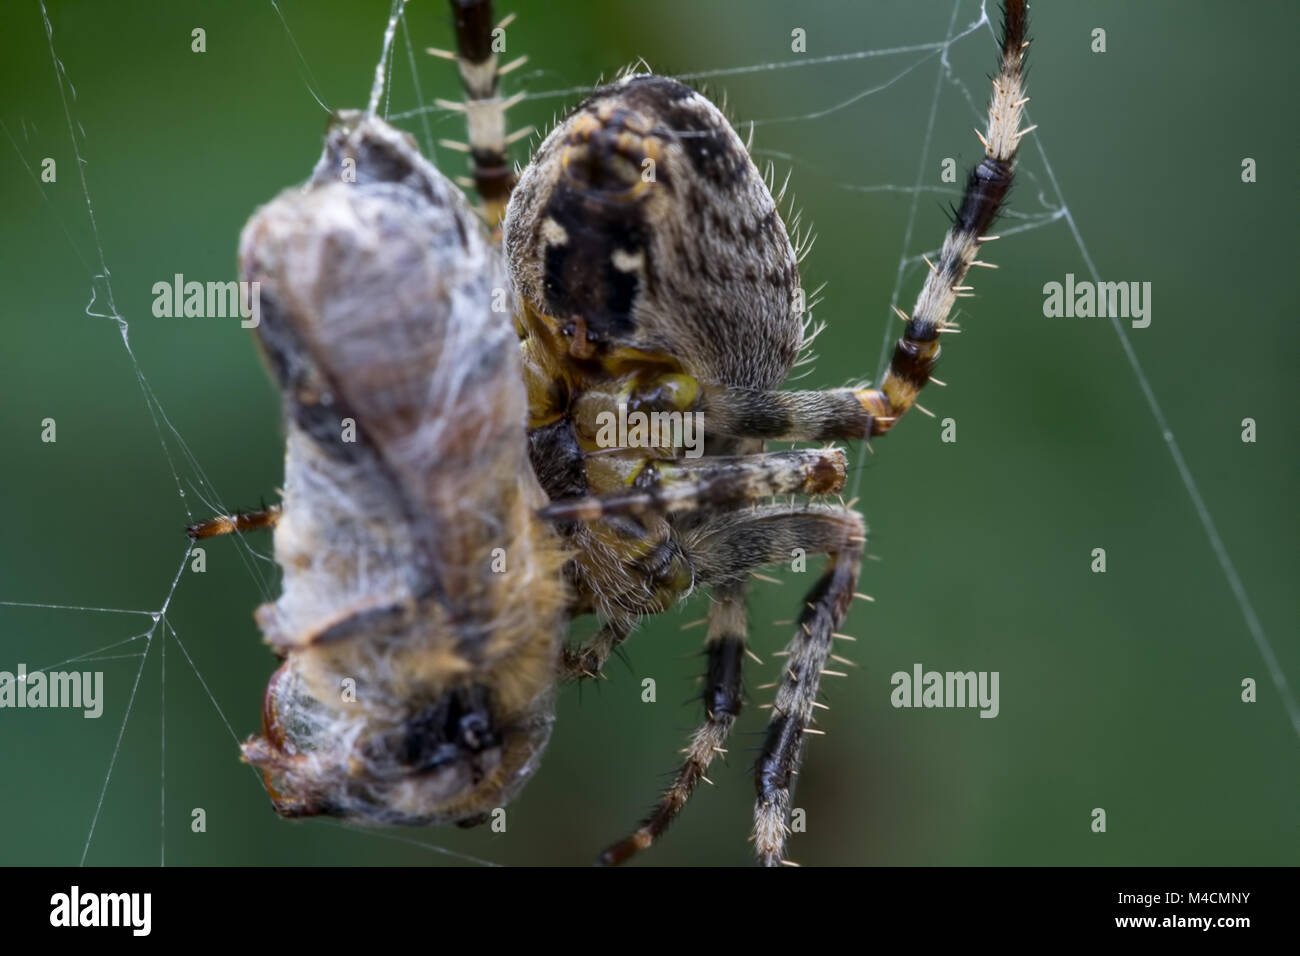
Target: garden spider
450	503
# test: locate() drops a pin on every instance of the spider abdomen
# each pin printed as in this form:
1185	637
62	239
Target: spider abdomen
643	223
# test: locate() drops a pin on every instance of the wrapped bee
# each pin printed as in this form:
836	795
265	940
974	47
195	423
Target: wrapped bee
451	498
417	684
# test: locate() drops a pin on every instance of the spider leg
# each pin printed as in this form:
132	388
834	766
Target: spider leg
588	659
724	550
864	412
680	484
484	109
238	522
825	608
725	647
767	536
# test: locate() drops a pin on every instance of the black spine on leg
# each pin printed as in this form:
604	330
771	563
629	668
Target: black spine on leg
986	188
722	686
473	28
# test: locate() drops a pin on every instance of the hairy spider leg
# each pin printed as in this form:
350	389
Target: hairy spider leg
477	39
866	412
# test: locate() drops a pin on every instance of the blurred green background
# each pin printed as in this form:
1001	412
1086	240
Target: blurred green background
1118	690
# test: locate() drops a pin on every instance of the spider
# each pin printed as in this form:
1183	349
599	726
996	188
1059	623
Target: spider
451	498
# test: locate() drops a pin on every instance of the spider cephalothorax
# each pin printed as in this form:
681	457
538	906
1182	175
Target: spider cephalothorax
434	557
